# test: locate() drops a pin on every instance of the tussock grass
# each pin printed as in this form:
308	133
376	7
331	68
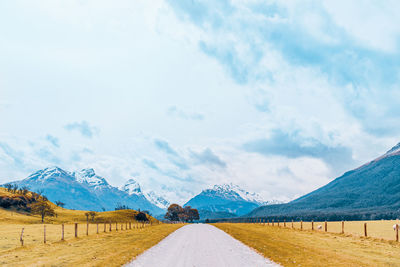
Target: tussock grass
377	229
312	248
104	249
12	222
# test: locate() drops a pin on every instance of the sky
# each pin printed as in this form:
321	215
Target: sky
278	97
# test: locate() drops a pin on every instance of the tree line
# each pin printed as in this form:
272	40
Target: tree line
176	213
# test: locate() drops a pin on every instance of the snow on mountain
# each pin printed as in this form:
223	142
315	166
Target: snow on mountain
225	200
394	150
89	177
84	190
131	187
47	173
245	195
157	200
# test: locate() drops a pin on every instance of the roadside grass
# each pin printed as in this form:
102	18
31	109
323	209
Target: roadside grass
12	222
104	249
8	216
377	229
293	247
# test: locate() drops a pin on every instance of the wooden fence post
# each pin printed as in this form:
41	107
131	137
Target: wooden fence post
365	229
342	227
97	228
105	227
126	225
76	229
122	226
116	226
397	232
301	225
44	234
326	226
278	223
268	222
21	238
272	222
312	225
110	227
62	231
130	225
284	223
87	228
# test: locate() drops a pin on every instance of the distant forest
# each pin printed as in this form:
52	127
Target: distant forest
351	215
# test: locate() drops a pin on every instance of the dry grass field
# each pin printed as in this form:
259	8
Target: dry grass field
293	247
103	249
377	229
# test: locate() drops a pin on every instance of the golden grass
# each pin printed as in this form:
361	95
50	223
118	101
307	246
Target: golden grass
312	248
377	229
12	222
104	249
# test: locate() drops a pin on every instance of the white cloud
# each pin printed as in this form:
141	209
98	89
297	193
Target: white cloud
121	66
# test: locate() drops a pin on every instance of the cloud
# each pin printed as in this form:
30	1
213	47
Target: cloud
48	155
53	140
83	128
151	164
207	157
255	41
165	147
15	156
175	112
174	158
295	146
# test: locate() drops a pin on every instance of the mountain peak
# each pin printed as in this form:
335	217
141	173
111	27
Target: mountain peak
89	176
157	200
89	172
131	187
235	190
394	150
46	173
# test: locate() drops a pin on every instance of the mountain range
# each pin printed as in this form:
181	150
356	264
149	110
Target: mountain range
85	190
225	201
371	191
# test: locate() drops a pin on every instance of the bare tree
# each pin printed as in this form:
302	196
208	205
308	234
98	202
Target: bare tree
24	190
92	215
8	187
60	204
42	208
14	188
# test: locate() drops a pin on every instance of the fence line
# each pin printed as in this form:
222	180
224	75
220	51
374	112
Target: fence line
75	232
364	229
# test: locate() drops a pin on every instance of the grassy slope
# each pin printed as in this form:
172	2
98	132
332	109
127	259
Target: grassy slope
104	249
63	215
305	248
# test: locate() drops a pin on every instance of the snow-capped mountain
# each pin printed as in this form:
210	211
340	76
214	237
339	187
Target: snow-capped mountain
394	150
226	198
131	187
85	190
157	200
49	174
89	177
234	190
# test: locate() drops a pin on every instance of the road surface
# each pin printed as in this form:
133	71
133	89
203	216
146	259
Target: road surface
200	245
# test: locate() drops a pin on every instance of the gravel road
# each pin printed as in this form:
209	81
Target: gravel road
200	245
